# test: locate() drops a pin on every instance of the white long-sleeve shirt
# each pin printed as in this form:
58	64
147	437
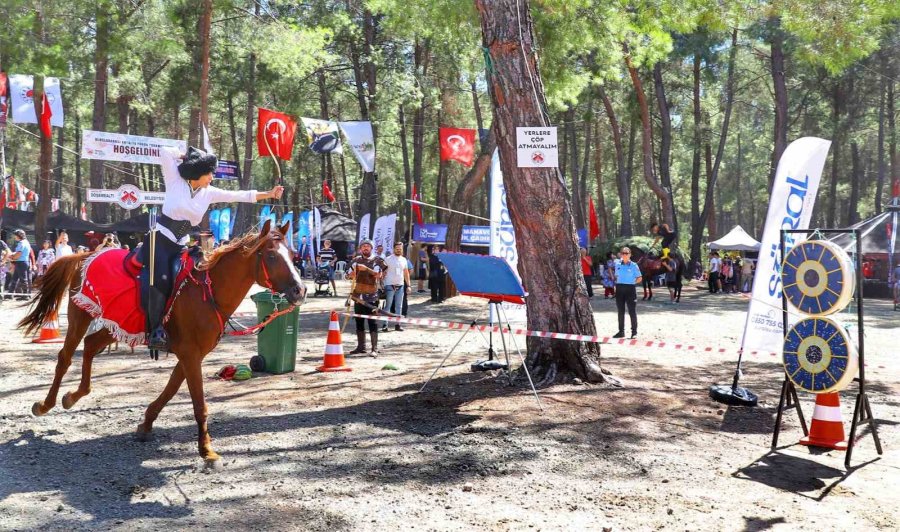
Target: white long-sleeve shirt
183	204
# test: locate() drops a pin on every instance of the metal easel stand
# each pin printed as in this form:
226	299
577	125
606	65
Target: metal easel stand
504	326
862	411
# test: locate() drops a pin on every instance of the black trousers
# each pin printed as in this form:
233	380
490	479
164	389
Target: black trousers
361	322
19	282
713	282
438	288
626	295
166	252
588	279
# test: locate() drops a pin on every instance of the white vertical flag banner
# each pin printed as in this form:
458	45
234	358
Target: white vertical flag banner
362	142
390	227
364	224
21	92
503	236
790	207
378	231
318	218
313	250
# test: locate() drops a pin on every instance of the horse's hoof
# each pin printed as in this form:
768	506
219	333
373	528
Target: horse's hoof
213	462
37	409
142	435
67	401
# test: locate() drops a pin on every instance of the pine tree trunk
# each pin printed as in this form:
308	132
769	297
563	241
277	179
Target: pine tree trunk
100	211
696	223
602	215
837	135
205	38
540	213
582	206
881	162
779	86
46	161
892	143
623	184
665	140
407	171
246	211
661	193
713	170
857	176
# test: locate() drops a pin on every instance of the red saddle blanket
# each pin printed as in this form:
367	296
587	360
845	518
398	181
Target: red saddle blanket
111	292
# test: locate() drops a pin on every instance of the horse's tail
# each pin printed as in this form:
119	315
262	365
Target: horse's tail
62	275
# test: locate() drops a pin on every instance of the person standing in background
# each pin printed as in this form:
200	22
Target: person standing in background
423	268
436	277
20	257
63	249
45	258
628	274
587	271
396	279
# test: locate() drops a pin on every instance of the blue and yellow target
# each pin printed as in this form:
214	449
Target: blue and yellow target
818	356
818	278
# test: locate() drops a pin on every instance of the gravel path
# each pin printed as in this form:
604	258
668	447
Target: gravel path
364	451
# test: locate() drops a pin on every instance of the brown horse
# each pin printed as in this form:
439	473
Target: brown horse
652	266
194	327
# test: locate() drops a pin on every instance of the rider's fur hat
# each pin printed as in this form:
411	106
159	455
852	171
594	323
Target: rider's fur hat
197	163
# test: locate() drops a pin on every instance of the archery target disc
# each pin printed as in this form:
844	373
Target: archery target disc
819	356
818	278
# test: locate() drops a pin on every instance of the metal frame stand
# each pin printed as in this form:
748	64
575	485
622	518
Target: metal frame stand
862	411
504	325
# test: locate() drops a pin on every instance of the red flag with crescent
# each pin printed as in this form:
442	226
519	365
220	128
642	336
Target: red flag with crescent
275	134
457	145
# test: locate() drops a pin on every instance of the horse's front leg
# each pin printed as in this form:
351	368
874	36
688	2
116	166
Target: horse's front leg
175	381
194	376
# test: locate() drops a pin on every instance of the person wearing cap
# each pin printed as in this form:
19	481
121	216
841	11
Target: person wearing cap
21	257
188	197
365	271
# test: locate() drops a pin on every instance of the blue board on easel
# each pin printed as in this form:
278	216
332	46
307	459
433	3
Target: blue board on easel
484	276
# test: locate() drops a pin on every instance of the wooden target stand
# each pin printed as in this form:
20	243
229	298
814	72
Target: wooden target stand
862	411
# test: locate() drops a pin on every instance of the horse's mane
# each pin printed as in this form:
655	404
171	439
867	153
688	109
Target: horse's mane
247	244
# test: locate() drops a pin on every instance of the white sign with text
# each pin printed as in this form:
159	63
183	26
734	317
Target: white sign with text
536	147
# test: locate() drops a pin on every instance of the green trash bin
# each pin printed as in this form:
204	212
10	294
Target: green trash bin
277	343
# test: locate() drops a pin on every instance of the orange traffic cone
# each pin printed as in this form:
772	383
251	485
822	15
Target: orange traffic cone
334	349
49	331
827	428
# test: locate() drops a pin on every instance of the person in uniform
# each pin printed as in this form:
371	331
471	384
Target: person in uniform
188	196
628	274
365	271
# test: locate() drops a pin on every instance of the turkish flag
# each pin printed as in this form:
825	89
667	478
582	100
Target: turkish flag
457	145
46	113
416	207
326	191
594	231
275	134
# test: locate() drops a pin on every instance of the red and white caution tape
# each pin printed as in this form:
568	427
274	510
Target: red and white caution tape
544	334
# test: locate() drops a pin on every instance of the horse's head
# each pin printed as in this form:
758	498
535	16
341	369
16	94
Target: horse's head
276	270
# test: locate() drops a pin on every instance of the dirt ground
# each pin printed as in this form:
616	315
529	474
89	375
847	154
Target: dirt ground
365	451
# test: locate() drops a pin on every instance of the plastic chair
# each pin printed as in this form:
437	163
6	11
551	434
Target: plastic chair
340	268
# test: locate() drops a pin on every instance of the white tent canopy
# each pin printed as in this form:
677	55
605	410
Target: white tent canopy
736	240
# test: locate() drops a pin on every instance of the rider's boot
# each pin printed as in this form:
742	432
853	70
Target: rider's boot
157	340
360	344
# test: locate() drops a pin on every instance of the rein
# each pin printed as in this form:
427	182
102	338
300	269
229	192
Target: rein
206	286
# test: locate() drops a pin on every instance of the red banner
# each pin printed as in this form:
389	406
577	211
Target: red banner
275	134
416	207
594	231
46	113
326	191
457	145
